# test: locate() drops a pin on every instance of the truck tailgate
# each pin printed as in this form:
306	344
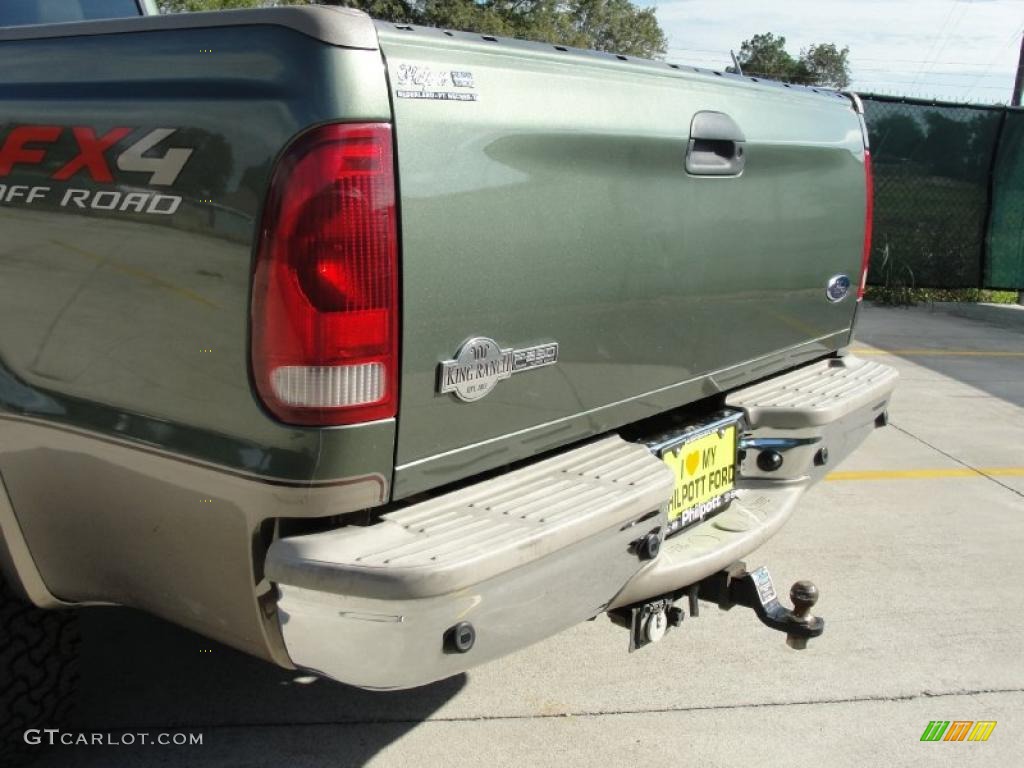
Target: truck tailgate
544	200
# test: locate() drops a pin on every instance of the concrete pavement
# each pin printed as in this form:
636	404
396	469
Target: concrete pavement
921	589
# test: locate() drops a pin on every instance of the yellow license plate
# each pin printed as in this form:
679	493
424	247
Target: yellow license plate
705	472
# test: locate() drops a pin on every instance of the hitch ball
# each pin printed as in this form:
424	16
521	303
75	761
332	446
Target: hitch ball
803	594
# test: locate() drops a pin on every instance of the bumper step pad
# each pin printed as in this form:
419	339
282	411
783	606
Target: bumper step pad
462	538
815	395
496	566
811	418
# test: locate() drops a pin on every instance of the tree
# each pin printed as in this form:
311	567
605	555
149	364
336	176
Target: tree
765	55
824	64
617	26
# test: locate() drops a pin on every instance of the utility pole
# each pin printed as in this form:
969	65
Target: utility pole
1018	85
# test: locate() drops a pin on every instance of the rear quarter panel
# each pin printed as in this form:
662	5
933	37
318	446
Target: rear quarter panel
139	465
136	325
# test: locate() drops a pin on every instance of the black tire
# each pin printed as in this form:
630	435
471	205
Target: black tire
38	672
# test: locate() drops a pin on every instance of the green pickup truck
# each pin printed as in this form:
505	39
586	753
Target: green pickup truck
383	351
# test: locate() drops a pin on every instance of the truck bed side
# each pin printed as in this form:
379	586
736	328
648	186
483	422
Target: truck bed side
128	425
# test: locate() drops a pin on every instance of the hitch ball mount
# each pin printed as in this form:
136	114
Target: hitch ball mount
648	621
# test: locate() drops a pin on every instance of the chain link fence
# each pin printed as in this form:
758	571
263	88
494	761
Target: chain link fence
934	166
1004	263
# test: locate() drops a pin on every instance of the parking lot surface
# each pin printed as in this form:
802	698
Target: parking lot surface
917	546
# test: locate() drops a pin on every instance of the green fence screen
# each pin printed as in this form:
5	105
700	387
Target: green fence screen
1004	265
933	165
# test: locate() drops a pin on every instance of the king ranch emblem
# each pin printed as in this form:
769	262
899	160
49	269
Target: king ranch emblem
481	363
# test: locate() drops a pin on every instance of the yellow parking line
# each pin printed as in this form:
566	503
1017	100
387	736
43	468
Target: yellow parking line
939	352
140	274
797	324
926	474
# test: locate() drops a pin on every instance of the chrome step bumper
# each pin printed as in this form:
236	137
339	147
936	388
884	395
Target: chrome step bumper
816	395
446	584
811	418
519	557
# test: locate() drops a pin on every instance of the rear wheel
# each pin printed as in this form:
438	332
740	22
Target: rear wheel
38	670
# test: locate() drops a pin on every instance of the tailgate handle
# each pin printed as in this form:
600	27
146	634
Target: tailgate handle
716	146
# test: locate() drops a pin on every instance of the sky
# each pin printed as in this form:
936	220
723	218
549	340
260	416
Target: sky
955	50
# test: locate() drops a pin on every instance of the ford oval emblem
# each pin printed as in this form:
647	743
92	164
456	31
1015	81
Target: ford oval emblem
837	288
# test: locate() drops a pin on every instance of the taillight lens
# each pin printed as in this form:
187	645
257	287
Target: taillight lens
869	217
325	289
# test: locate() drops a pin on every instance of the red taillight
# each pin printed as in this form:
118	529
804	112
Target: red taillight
325	290
869	215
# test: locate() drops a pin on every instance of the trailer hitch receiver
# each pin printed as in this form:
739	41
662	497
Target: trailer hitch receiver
649	620
737	586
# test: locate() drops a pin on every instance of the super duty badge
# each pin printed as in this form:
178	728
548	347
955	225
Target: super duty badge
423	81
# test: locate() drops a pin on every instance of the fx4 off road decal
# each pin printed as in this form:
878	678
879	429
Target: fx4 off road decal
141	162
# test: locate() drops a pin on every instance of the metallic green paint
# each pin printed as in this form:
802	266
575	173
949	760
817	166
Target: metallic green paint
554	208
136	327
137	460
557	208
